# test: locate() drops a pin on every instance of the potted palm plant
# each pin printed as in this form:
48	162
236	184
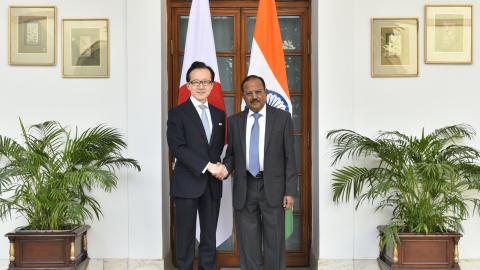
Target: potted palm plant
47	178
429	182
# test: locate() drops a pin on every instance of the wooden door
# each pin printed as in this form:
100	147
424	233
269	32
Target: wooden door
233	24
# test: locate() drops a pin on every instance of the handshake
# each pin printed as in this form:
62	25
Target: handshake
218	170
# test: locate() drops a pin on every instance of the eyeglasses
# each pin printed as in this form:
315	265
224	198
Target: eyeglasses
198	83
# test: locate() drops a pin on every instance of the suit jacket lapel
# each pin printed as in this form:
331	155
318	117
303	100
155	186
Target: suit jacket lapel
190	109
270	123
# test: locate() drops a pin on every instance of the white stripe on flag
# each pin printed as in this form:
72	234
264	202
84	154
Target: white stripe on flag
259	66
200	46
199	43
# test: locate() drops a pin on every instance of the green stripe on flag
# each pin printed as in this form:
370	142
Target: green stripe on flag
288	223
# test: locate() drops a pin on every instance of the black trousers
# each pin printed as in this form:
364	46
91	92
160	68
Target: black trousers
186	216
258	223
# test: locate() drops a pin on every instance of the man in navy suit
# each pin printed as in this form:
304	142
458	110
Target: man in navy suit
196	137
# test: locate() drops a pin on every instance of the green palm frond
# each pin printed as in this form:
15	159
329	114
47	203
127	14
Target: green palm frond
454	132
351	144
347	180
49	178
426	181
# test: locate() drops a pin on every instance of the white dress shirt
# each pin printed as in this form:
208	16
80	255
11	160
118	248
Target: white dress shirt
261	140
197	104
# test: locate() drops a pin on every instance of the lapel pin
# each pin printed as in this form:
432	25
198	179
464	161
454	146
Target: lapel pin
220	124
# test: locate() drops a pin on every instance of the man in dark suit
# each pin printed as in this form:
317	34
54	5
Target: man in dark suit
261	155
196	137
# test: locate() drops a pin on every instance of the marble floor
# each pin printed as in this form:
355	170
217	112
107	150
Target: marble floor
123	264
372	265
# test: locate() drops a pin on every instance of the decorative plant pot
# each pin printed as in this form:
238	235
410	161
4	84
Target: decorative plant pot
43	250
437	251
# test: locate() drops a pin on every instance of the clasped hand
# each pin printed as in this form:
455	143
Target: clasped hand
218	170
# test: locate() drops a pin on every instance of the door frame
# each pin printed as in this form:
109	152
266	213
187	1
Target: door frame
229	259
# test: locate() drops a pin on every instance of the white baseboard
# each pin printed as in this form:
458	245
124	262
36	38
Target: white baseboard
346	264
125	264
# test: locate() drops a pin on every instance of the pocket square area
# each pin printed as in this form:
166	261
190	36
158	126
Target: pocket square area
220	124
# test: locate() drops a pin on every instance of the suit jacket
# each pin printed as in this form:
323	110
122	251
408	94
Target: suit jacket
279	171
188	143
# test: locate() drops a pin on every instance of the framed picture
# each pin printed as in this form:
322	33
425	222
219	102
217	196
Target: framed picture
448	34
394	47
85	48
32	35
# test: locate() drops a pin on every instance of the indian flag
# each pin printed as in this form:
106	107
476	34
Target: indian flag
267	61
200	46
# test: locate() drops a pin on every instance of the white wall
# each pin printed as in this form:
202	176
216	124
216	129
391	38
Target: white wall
350	98
136	220
147	101
130	100
335	109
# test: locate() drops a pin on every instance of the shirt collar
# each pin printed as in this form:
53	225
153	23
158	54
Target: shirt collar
262	112
197	103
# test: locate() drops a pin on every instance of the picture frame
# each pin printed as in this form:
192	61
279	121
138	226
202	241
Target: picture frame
394	47
32	36
85	48
448	34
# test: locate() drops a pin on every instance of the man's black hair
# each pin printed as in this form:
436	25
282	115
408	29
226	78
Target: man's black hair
200	65
252	77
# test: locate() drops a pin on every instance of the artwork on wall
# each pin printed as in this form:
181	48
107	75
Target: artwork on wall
448	34
394	47
32	35
85	48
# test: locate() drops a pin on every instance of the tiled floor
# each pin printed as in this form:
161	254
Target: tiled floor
123	264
